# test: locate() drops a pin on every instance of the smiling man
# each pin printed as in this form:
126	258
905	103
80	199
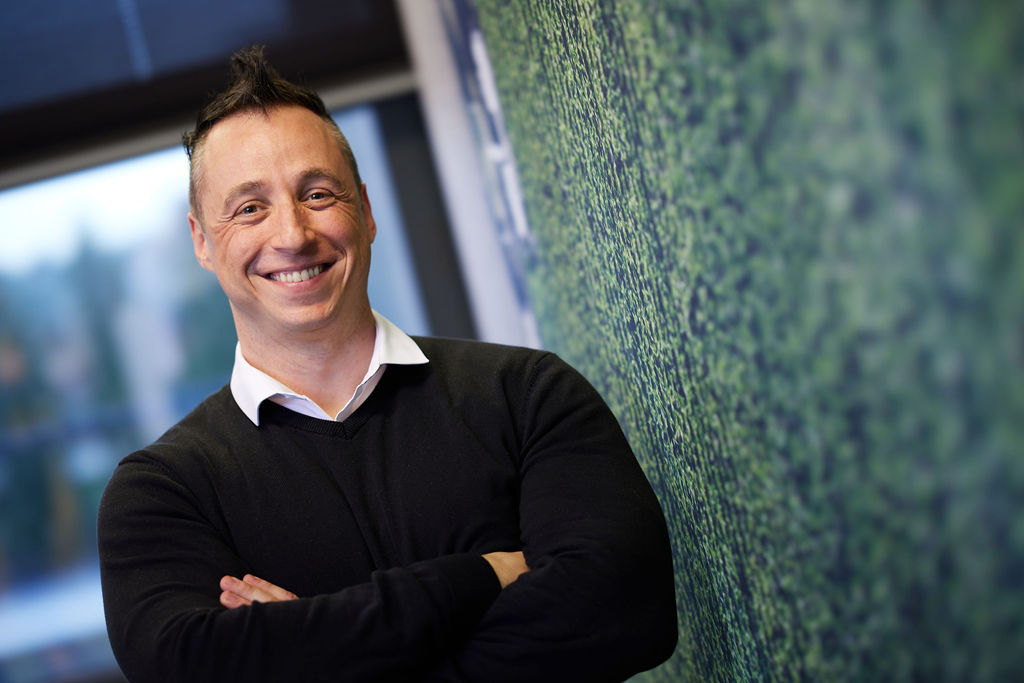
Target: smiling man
357	504
282	222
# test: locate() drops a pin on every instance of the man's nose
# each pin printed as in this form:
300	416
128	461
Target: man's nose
292	231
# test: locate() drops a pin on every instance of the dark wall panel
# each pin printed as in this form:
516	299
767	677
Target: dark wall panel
85	73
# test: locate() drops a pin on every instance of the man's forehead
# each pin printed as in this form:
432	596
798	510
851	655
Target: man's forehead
282	119
252	148
293	141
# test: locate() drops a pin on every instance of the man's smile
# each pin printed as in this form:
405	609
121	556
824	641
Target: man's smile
300	275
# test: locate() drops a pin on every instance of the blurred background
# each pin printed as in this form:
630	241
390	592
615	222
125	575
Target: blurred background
783	239
109	331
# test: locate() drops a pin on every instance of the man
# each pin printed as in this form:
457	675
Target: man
357	504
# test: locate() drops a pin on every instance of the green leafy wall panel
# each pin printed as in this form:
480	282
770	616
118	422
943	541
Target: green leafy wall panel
784	239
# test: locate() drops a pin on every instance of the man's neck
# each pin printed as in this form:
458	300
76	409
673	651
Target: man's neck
325	366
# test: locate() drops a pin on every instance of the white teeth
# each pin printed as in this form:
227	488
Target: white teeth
297	275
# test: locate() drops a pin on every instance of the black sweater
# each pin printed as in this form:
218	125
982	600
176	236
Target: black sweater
378	523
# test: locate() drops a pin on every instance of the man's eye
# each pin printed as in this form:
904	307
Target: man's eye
319	195
248	210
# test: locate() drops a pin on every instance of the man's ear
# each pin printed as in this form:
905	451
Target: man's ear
371	225
200	243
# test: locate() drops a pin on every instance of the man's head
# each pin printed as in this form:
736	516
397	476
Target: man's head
255	86
278	214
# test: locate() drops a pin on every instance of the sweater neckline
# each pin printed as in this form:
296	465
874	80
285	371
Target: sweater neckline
273	414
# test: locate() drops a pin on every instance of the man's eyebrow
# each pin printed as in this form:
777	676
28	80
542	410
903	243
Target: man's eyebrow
312	174
241	189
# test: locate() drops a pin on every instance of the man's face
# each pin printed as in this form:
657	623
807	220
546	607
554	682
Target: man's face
282	224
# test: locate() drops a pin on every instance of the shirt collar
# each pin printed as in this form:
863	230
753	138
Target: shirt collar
250	387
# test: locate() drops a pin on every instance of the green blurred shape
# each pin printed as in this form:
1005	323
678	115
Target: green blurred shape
784	240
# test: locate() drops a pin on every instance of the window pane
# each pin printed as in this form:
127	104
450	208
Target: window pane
109	333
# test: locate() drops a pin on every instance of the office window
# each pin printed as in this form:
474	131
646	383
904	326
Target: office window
109	333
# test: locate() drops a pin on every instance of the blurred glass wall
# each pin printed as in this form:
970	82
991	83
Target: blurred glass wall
109	333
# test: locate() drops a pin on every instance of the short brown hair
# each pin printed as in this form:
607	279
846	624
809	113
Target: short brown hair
255	85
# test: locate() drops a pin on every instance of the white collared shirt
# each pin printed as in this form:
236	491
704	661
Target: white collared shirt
251	387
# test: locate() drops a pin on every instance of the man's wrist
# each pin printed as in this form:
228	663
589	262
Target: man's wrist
507	566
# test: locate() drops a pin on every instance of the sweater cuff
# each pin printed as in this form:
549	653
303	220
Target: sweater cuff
472	583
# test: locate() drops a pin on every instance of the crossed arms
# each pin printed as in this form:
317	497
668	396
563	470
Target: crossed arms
243	592
394	576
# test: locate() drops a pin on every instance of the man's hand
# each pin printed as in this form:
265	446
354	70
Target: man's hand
250	589
508	566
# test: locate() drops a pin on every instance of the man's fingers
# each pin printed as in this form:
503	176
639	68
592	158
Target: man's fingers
275	593
250	589
232	600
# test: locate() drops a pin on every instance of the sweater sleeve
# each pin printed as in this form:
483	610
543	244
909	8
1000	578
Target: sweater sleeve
599	601
161	560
